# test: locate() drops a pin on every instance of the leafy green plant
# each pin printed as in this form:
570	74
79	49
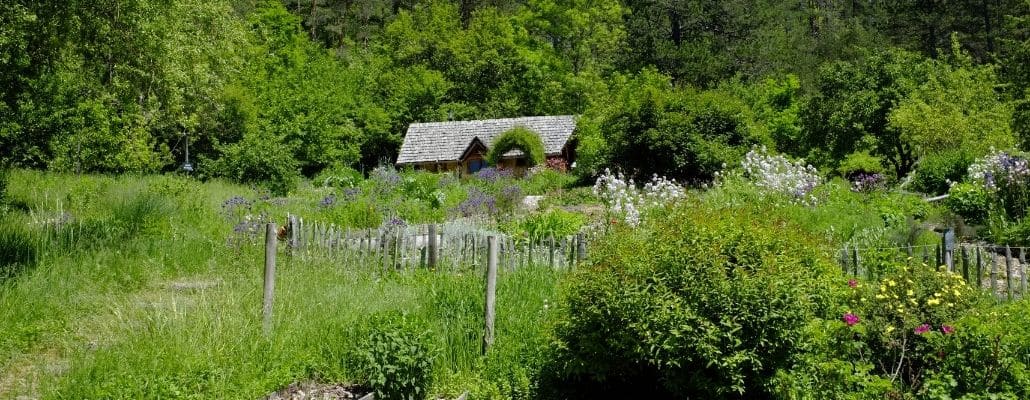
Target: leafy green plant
398	361
518	138
934	172
701	302
556	223
970	201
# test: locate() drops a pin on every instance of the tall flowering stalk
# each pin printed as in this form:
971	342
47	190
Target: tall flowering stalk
624	200
778	174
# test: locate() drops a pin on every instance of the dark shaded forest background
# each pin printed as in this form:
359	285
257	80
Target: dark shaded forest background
272	90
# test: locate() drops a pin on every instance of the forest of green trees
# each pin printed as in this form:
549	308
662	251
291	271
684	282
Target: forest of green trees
275	90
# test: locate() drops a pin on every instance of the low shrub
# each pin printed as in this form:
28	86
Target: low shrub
970	201
935	172
398	361
688	305
898	337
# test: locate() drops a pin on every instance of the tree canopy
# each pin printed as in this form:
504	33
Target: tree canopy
279	89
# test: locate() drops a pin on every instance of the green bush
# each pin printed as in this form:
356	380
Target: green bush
912	334
699	303
970	201
934	171
398	361
518	138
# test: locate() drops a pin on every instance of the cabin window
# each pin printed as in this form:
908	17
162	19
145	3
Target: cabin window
476	165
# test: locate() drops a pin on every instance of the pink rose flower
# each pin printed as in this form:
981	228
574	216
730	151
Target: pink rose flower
921	329
850	319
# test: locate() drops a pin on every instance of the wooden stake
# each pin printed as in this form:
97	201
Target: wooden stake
271	242
491	292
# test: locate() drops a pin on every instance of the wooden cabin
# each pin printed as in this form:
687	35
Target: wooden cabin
463	145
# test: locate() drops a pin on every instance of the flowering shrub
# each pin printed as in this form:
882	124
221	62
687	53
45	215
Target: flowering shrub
624	201
492	175
866	183
777	174
1006	176
477	203
894	331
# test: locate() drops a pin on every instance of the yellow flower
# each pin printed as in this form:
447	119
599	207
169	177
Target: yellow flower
913	301
862	300
880	297
910	293
933	302
890	328
892	283
957	293
937	294
950	304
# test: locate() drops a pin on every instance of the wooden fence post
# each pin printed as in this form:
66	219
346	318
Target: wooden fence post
431	258
271	242
491	292
965	264
979	269
1008	272
949	249
294	226
581	248
994	272
550	252
1022	271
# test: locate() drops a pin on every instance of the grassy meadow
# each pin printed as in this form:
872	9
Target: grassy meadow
134	291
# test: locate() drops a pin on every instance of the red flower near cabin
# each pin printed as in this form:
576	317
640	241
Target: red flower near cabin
850	319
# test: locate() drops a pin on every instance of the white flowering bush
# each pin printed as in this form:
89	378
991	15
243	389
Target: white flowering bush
624	200
778	174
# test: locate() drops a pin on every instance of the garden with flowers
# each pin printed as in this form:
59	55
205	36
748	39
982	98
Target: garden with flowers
728	289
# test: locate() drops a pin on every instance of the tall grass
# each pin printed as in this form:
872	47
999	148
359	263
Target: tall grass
146	300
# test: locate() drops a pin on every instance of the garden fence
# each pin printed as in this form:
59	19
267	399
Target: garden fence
1000	269
450	246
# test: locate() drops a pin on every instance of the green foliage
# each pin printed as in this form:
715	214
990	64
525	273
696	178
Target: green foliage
898	338
689	304
518	138
860	163
957	107
935	172
19	247
547	181
652	128
554	223
970	201
398	361
849	113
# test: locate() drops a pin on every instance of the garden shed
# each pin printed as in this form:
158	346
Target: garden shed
463	145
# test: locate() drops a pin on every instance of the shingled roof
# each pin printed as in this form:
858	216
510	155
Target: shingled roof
446	141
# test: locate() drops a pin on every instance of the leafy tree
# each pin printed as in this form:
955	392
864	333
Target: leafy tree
849	113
